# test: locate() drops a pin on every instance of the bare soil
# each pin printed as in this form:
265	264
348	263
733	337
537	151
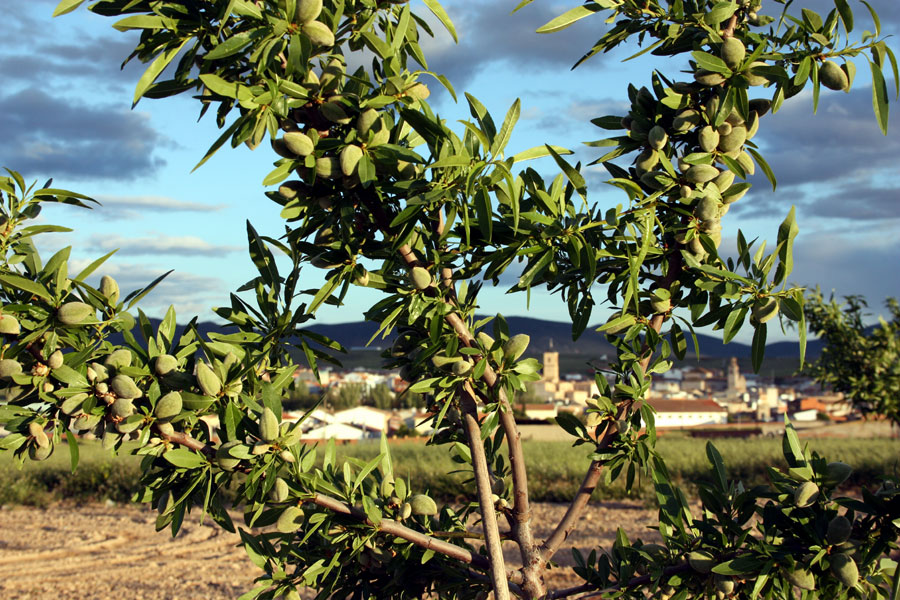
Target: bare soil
100	552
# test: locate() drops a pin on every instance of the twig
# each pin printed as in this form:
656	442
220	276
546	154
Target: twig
386	525
401	531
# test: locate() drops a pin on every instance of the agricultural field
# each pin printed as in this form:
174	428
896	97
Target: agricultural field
555	468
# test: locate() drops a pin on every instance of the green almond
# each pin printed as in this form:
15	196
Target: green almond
109	288
125	387
309	10
515	346
123	408
168	407
807	492
56	359
119	359
708	139
268	425
9	367
9	325
365	121
74	313
298	143
801	578
733	52
327	167
734	140
164	364
207	380
38	453
291	520
707	208
422	504
701	561
279	491
319	34
839	530
844	568
657	137
833	77
350	157
701	173
225	461
421	278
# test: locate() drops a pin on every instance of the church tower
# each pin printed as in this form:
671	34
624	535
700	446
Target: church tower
736	382
551	367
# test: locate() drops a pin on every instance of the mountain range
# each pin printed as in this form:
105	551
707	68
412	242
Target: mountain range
545	336
554	335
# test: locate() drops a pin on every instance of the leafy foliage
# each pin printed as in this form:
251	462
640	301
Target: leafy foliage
859	361
378	191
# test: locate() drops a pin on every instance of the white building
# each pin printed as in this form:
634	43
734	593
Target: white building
365	417
337	431
688	413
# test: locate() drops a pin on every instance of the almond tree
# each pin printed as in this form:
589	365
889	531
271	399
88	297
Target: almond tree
859	361
378	191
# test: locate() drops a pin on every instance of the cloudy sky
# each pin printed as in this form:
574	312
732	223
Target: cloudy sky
65	112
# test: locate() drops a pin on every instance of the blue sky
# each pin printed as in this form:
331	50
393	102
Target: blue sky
65	112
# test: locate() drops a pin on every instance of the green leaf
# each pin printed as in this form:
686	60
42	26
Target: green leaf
787	231
880	98
574	176
846	14
571	424
437	10
733	324
184	458
232	45
539	152
569	17
715	459
720	12
26	285
736	566
85	272
136	296
66	6
424	385
69	376
709	62
512	116
766	169
875	18
73	449
791	447
155	68
279	173
758	347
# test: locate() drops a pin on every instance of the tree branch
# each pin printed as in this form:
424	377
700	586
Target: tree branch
386	525
401	531
592	477
483	486
579	502
521	514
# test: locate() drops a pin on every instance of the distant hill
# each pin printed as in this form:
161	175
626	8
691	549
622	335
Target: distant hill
545	336
555	335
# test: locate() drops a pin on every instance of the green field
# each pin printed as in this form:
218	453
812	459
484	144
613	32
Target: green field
555	468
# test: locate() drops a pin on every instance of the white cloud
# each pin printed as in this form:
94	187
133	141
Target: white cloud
158	244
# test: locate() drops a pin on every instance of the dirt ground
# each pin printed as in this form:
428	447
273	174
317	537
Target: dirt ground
100	552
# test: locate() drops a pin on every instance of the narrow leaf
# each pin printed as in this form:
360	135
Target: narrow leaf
568	18
435	7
